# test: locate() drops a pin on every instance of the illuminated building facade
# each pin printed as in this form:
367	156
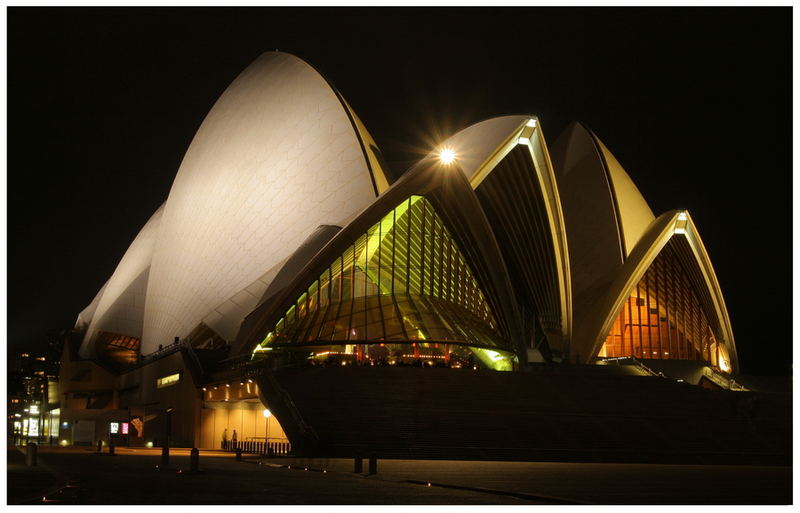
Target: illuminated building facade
493	252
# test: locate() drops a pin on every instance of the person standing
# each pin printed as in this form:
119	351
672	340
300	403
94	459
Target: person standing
224	438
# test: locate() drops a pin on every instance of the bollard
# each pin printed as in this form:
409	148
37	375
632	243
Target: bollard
30	454
238	454
358	465
164	456
194	460
373	464
111	449
99	446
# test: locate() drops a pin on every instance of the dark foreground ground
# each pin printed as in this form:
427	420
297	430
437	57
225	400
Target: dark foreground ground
77	476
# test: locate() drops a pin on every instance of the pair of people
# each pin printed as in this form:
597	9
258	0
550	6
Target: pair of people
225	437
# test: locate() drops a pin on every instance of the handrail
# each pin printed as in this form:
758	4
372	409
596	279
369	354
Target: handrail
638	363
723	380
282	447
287	401
711	373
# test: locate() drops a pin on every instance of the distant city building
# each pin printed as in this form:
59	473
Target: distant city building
33	397
285	244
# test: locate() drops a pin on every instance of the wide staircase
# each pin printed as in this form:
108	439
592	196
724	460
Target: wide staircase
569	413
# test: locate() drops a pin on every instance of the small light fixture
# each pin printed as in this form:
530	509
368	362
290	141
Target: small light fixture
447	156
267	414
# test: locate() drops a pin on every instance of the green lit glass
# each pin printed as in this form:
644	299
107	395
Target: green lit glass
404	280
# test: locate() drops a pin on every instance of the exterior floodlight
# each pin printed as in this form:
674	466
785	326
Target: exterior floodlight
531	122
267	414
447	156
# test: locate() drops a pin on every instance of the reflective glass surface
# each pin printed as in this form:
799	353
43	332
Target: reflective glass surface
404	280
663	319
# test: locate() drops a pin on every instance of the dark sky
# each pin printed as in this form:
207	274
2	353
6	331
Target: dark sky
695	104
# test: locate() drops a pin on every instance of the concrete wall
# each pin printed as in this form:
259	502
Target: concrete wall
78	376
139	391
101	419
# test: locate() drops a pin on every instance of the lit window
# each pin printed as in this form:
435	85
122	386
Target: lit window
167	381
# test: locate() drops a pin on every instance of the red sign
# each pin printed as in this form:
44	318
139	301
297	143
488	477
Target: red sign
124	428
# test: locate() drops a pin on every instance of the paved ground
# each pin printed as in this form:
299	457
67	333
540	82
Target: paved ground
593	483
131	478
25	482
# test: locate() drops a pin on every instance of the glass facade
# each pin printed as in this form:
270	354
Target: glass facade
663	319
402	292
116	349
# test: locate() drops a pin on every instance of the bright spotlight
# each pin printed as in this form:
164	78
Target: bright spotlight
267	414
447	156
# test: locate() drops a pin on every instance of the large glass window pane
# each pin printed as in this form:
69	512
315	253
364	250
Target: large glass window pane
663	317
374	326
358	326
404	280
392	319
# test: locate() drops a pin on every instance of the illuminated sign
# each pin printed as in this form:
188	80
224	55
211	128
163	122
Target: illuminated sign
167	381
33	427
124	428
139	426
114	428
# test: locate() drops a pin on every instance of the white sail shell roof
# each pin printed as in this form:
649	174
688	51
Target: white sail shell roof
120	308
276	157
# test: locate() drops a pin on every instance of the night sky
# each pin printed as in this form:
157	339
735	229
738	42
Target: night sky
695	104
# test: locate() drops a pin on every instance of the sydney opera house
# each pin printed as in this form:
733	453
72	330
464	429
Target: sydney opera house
296	295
